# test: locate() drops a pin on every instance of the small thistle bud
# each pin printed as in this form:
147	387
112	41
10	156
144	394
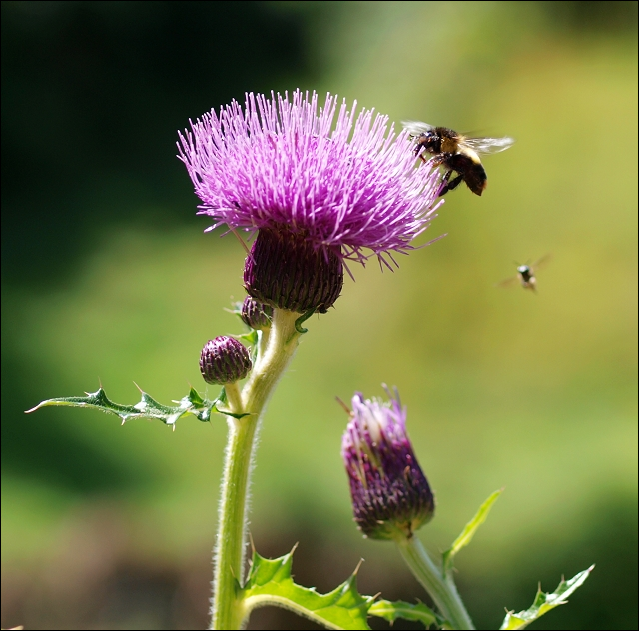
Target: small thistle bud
286	270
256	315
390	493
224	360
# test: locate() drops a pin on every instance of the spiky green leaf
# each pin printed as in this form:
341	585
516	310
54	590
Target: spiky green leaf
545	602
147	407
270	583
468	532
418	612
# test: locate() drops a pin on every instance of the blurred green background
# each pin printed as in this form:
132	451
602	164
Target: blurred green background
107	276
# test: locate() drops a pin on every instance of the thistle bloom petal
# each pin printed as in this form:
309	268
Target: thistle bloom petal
343	183
390	493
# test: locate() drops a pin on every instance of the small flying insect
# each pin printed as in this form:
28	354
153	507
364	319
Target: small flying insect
456	153
526	274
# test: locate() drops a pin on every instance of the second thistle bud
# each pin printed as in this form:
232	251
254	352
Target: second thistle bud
224	360
256	315
390	493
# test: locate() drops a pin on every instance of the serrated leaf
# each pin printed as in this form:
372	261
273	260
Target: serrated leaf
270	583
468	532
545	602
418	612
148	407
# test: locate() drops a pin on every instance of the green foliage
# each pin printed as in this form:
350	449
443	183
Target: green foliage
419	612
148	407
468	532
545	602
250	339
270	583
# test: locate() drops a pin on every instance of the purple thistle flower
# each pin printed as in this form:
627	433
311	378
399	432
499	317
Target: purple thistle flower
390	493
340	183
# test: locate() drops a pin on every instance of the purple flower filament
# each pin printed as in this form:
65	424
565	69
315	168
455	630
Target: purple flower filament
344	182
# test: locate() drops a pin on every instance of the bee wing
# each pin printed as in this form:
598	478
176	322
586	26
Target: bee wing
508	282
415	128
539	263
488	145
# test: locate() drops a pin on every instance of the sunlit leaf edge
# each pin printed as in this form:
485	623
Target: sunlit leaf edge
544	602
147	407
417	612
469	530
270	583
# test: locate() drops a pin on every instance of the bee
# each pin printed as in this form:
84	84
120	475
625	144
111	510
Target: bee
456	153
526	274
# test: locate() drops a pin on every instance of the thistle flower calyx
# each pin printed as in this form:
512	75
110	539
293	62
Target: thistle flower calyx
286	271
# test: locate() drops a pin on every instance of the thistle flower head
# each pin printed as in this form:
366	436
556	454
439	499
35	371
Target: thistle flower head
224	360
331	181
390	493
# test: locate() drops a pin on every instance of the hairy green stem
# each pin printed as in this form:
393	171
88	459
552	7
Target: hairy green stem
233	397
262	345
229	556
440	588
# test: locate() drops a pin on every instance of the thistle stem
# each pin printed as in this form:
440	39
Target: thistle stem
262	344
440	588
229	556
233	396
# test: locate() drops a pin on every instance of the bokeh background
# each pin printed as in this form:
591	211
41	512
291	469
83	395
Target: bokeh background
107	276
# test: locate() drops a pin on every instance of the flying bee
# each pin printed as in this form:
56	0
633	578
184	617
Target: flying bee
456	153
526	274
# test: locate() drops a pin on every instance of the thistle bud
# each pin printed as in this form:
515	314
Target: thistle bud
256	315
224	360
288	271
390	493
